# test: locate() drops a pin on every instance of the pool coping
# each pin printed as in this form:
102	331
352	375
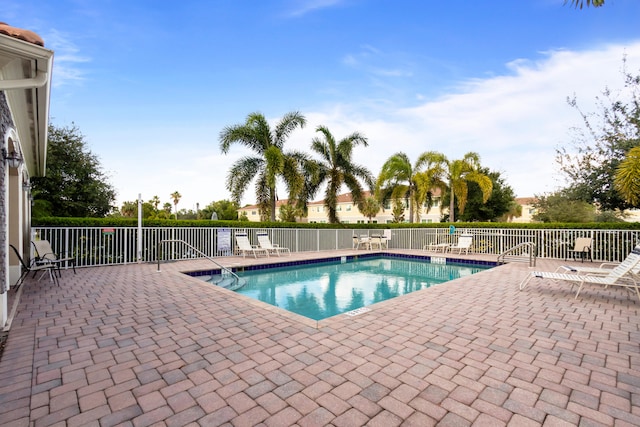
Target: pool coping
266	266
196	274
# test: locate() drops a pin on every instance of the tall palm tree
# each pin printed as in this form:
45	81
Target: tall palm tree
459	173
175	196
399	179
336	167
627	177
269	163
155	201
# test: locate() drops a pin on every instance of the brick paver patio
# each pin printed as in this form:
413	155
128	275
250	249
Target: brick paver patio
127	345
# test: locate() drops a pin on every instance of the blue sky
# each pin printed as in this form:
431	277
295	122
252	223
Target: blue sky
152	83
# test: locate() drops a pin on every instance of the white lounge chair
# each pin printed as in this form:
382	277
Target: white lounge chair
625	274
244	246
436	247
464	244
265	243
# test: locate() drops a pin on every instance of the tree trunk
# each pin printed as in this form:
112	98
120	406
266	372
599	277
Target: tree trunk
451	208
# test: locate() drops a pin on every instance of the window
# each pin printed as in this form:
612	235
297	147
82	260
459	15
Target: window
348	208
387	204
253	212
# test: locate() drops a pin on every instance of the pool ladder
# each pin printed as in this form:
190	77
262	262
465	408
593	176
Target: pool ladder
236	282
521	252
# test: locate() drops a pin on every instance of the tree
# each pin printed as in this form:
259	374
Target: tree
590	165
627	177
398	211
155	201
459	174
370	207
225	210
560	207
580	3
75	185
290	212
268	163
514	211
175	196
494	208
399	179
336	168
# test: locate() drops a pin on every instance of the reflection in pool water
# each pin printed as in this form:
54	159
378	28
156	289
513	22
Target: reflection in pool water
323	290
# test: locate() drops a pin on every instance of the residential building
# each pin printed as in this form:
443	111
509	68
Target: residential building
348	212
528	211
25	88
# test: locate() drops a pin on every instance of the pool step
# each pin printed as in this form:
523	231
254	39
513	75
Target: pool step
227	282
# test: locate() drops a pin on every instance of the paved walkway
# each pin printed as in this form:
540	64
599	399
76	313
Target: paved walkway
131	346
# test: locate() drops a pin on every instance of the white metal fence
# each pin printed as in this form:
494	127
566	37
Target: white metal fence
97	246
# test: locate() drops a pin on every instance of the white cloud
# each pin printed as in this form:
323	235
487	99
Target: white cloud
302	7
515	122
66	58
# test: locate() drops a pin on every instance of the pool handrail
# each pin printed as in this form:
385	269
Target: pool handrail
223	268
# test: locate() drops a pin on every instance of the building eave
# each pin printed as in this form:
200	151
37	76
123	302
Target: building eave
25	77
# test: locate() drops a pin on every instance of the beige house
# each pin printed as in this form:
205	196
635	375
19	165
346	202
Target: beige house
528	211
25	87
348	212
253	211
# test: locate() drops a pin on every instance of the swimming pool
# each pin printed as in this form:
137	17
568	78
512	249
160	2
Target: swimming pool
325	289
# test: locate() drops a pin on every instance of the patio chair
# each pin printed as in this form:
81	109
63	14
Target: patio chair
28	267
265	243
43	254
386	238
375	240
624	274
464	244
581	248
362	241
244	246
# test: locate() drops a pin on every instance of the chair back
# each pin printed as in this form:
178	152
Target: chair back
24	264
263	241
243	241
42	250
465	241
631	262
582	244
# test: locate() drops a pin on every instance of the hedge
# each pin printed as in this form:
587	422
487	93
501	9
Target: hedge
169	223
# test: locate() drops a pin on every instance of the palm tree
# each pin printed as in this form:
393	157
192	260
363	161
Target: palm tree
370	207
459	173
515	211
336	168
129	208
399	179
627	177
155	201
175	196
269	163
580	3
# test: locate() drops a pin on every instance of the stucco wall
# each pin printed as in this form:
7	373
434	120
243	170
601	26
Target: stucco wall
5	124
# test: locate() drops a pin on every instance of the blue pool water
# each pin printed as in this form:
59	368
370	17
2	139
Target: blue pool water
323	290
